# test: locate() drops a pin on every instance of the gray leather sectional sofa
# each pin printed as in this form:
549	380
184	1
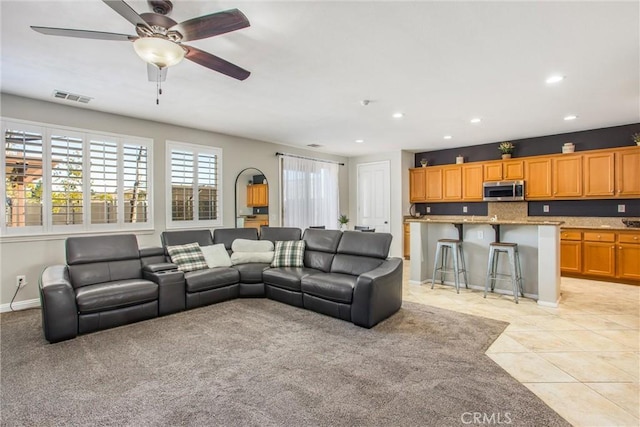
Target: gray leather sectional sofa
108	281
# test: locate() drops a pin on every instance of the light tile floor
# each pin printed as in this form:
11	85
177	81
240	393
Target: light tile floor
581	359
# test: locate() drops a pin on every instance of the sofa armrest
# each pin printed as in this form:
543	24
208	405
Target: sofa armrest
158	267
378	294
171	289
58	300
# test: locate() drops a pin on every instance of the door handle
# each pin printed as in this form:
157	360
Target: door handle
386	222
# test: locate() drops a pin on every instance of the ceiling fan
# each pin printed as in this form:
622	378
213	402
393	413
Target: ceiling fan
159	40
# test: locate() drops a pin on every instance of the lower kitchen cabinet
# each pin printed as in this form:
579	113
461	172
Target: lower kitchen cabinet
601	255
407	240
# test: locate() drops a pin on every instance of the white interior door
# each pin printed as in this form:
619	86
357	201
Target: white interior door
374	203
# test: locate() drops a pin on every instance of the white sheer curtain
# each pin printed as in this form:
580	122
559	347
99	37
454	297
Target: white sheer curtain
310	193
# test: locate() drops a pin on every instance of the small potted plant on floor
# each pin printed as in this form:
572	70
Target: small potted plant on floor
343	220
506	148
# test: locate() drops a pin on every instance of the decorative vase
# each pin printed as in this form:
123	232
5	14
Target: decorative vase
506	156
423	164
459	160
343	227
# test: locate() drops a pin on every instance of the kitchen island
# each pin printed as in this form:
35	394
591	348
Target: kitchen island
538	244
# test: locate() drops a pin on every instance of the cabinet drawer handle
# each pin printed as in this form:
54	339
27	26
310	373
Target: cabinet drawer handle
620	247
598	236
613	247
635	237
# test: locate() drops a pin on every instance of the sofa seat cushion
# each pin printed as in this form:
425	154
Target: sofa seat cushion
211	278
332	286
252	272
287	277
117	294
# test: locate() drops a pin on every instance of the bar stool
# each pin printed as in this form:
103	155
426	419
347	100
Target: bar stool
515	272
443	249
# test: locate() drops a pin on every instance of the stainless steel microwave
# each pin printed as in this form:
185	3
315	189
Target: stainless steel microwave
502	191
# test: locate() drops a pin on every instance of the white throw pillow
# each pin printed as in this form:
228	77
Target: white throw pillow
247	257
216	256
246	245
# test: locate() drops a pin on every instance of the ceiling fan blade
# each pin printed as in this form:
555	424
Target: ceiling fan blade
215	63
83	34
153	72
126	12
157	19
211	25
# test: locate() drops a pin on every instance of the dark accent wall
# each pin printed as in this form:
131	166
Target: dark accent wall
596	208
453	208
618	136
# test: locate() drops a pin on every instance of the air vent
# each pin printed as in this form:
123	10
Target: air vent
314	145
71	96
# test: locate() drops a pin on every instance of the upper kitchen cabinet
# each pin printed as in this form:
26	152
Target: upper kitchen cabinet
434	184
510	170
627	167
257	195
472	175
538	178
417	185
567	176
598	174
452	183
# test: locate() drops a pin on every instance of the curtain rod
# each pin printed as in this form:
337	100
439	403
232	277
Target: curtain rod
309	158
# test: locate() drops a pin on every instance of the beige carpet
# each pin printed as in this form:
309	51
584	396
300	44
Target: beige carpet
256	362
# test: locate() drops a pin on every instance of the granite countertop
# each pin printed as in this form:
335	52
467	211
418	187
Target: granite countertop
485	221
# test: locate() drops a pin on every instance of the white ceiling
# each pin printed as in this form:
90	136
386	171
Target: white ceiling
312	62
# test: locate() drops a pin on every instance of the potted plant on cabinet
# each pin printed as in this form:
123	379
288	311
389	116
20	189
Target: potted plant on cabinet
636	138
506	148
343	220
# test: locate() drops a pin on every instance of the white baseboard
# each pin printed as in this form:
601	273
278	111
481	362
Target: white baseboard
20	305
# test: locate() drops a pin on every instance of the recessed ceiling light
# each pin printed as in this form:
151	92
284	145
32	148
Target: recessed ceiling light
359	141
570	117
476	120
554	79
448	137
398	115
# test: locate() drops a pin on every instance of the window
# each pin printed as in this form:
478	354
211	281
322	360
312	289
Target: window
194	187
310	192
65	180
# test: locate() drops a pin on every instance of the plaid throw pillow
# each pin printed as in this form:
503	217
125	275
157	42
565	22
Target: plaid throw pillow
187	257
289	254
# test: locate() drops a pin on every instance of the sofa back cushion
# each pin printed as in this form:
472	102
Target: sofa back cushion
320	248
228	235
360	252
280	234
100	259
175	238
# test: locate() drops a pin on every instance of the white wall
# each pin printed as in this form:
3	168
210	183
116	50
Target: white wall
30	257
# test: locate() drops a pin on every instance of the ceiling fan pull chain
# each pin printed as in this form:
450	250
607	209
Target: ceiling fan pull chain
158	87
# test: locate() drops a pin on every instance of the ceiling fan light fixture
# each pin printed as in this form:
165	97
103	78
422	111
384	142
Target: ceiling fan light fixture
158	51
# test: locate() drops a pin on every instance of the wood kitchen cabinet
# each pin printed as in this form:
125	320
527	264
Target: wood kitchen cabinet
407	240
598	174
571	251
566	176
433	177
602	255
628	256
599	254
452	183
417	185
257	195
538	178
509	170
472	175
627	170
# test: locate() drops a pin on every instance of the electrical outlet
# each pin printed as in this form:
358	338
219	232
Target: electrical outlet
21	281
480	235
464	209
621	208
545	208
428	209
